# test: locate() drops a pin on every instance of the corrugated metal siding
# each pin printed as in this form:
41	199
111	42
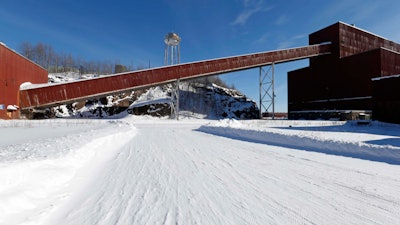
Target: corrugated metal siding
390	62
354	41
349	40
15	70
68	92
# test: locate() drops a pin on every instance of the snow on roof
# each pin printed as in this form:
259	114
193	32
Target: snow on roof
385	77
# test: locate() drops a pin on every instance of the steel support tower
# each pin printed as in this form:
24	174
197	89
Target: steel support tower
267	90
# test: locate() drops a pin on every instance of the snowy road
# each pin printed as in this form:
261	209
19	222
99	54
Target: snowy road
171	173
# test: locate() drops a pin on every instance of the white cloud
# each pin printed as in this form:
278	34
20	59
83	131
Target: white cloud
263	38
242	18
282	19
246	3
251	7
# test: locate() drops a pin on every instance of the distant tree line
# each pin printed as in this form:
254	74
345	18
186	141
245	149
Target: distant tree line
56	62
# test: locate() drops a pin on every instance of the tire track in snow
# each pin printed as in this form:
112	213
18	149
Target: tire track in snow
171	174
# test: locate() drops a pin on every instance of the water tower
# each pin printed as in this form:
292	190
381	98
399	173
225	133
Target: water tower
172	57
172	49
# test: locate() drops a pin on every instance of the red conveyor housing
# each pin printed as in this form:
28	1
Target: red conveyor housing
63	93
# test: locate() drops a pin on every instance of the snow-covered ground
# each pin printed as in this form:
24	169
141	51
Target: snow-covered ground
140	170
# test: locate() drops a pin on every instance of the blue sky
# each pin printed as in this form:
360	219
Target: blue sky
132	32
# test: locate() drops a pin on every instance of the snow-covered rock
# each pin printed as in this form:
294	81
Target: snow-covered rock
211	100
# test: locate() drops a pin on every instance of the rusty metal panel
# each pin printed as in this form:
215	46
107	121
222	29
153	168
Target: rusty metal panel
15	70
354	40
73	91
349	40
390	62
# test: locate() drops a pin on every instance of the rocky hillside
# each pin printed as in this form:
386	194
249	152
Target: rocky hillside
209	101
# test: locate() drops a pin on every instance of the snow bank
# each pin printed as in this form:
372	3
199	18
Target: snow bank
355	141
38	178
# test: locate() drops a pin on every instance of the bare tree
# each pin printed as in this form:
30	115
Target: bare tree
54	62
26	49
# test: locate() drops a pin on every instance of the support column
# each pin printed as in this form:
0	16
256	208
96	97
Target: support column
175	100
267	91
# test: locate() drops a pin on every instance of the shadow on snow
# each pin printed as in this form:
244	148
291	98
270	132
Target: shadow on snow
375	127
378	151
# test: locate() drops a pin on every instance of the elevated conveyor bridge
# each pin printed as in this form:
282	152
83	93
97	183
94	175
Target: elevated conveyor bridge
63	93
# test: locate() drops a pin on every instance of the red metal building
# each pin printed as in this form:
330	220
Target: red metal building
14	71
340	83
